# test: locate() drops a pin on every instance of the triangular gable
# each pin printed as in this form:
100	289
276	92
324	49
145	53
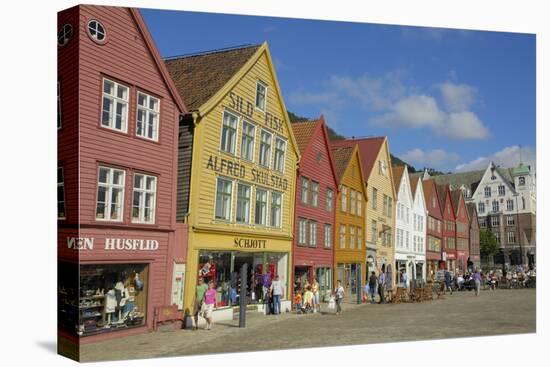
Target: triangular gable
486	178
357	157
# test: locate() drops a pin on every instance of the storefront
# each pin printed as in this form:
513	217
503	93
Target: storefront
348	274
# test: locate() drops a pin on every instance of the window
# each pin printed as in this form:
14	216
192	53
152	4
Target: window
481	208
147	116
450	243
438	226
351	237
314	194
487	192
407	216
342	236
223	199
344	198
302	224
510	220
382	169
407	237
501	190
280	149
509	204
385	207
433	201
96	31
328	236
243	203
64	34
359	203
523	203
304	190
352	204
110	194
482	224
374	198
511	237
114	112
399	238
261	207
60	194
495	206
497	235
265	148
276	202
495	221
58	105
143	204
390	208
312	233
521	181
261	92
374	230
359	238
329	200
247	141
229	132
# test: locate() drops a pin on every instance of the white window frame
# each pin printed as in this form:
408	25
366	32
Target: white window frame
495	221
374	229
312	229
359	202
61	184
276	151
344	199
65	34
481	207
495	206
95	36
501	190
115	100
264	85
279	217
509	205
253	136
487	191
511	237
352	204
143	191
230	181
374	198
110	186
270	146
148	113
328	235
314	191
510	220
302	231
223	144
342	236
249	211
304	190
359	238
352	237
264	219
329	200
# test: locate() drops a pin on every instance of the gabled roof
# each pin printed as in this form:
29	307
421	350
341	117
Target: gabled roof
303	132
455	199
397	175
342	156
471	210
442	194
414	184
368	151
199	77
142	27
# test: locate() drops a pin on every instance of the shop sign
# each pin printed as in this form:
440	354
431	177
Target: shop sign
113	244
245	107
249	243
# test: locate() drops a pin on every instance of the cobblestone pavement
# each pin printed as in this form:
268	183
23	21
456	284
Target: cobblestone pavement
458	315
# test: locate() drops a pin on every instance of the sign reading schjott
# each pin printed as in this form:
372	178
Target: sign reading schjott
113	244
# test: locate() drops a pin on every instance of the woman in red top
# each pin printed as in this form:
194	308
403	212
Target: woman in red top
209	304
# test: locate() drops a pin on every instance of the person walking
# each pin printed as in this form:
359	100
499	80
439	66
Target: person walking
372	287
209	304
316	301
382	286
477	281
339	296
276	293
448	281
199	298
404	278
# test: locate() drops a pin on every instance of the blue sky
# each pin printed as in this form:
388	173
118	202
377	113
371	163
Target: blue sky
448	99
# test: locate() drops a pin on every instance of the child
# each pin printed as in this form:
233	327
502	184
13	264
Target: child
308	298
298	301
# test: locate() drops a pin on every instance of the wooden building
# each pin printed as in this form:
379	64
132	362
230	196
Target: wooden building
316	190
474	262
462	231
243	173
449	227
434	227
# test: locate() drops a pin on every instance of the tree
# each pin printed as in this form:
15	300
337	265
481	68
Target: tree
488	245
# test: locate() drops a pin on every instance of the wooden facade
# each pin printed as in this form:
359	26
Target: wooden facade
462	238
434	227
473	243
449	227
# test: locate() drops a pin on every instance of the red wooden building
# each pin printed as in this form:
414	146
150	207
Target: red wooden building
462	225
316	190
474	261
434	227
449	227
121	253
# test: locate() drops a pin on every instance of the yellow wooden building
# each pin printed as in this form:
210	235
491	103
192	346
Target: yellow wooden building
243	172
349	246
380	211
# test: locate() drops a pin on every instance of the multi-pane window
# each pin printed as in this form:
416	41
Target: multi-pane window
351	237
265	148
261	92
261	207
342	236
407	237
314	194
96	30
359	203
147	116
481	208
433	202
344	198
328	236
329	200
243	203
374	198
229	132
64	34
114	110
487	192
495	205
110	194
501	190
407	215
509	205
304	189
352	204
511	237
450	243
223	199
521	181
438	225
482	224
143	202
58	105
399	238
312	233
247	141
374	231
385	205
280	149
359	238
60	193
497	235
276	202
510	220
495	221
302	228
390	207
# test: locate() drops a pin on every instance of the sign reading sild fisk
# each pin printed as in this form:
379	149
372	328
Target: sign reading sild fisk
87	243
239	104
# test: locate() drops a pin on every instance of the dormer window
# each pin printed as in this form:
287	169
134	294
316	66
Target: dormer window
261	93
64	34
96	31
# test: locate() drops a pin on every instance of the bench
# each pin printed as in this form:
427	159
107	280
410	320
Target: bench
168	314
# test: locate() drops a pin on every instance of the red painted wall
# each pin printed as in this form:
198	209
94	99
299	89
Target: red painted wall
434	212
448	216
462	218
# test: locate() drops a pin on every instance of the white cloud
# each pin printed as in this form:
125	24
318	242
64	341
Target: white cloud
436	158
414	111
463	125
507	157
457	97
307	98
